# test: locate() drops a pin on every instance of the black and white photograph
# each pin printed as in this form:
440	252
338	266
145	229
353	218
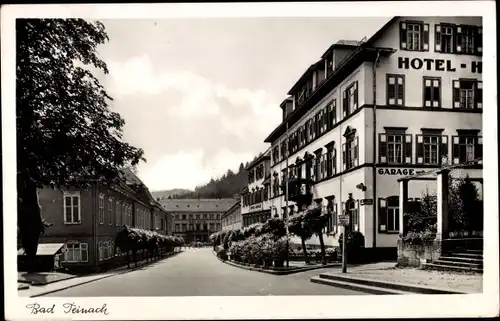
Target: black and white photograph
250	160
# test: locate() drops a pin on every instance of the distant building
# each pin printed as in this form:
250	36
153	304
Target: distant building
196	219
232	219
255	198
87	220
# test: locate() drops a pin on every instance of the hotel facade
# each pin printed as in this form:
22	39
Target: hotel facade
409	99
256	204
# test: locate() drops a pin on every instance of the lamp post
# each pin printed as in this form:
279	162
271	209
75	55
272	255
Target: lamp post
286	200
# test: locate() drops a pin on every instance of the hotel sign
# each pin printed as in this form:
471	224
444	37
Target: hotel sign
438	65
396	171
255	207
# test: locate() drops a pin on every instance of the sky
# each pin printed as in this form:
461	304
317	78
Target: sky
201	95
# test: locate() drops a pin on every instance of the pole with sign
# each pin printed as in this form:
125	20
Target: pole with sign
344	220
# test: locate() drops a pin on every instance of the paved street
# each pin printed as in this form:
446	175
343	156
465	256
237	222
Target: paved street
197	272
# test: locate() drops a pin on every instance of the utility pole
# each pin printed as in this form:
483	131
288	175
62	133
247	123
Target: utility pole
286	198
344	251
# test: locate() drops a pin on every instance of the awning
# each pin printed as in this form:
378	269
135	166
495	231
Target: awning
45	249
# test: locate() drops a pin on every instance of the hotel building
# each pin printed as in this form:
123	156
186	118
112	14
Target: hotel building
85	221
195	219
409	99
255	198
232	220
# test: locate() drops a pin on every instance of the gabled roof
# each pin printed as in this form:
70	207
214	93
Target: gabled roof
198	205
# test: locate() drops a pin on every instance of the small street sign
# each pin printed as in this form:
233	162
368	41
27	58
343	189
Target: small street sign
367	201
344	219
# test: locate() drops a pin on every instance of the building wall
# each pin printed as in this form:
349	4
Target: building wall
412	117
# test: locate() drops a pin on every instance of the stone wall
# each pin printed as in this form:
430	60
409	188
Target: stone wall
415	255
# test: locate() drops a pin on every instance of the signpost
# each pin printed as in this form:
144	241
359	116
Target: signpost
344	220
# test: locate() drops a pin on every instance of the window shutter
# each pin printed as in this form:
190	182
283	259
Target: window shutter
458	39
335	217
344	104
356	152
420	149
84	252
408	149
382	215
437	38
382	148
478	40
355	95
478	150
334	161
444	149
456	94
425	37
456	150
479	95
344	156
402	35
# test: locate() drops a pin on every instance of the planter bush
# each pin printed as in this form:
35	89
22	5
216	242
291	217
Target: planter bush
355	246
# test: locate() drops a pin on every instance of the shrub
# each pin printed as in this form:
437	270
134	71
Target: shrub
221	252
355	245
419	238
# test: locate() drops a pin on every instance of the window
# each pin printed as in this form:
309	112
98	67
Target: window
350	155
388	215
72	214
76	252
197	216
118	209
204	216
395	147
190	216
444	38
350	99
283	149
312	129
468	94
432	92
322	121
467	147
105	250
110	211
467	39
331	161
432	148
414	36
177	227
332	210
332	110
184	216
276	155
218	216
351	208
101	208
395	90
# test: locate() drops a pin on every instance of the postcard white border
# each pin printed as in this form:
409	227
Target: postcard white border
236	307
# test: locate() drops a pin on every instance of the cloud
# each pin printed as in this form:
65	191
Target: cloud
191	128
185	169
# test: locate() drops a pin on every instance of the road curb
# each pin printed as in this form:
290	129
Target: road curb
119	272
278	272
360	283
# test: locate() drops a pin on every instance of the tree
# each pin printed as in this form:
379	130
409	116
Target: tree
299	226
318	222
66	134
465	208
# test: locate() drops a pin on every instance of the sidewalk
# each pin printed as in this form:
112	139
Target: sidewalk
39	290
387	272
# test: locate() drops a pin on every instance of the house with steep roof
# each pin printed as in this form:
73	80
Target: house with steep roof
86	220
